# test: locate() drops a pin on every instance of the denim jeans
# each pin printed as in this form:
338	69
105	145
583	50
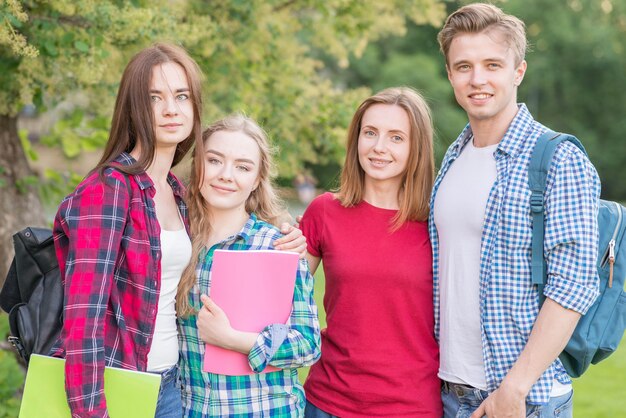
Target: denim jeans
169	403
312	411
459	401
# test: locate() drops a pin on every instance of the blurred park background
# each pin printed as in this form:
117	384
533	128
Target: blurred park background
299	67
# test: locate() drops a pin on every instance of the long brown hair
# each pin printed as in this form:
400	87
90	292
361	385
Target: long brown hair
263	200
414	194
133	117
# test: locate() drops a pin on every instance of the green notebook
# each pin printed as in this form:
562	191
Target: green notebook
129	393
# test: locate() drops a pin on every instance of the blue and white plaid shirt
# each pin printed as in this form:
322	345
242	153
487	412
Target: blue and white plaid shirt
508	300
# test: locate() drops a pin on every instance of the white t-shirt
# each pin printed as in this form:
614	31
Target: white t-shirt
459	212
175	255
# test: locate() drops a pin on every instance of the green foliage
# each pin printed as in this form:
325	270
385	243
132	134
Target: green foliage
27	146
259	56
25	183
262	59
77	132
575	76
11	376
413	60
573	84
3	181
55	186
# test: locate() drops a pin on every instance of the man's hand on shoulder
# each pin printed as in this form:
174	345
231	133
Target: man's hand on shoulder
292	241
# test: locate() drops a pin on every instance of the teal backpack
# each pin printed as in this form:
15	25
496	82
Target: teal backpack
600	330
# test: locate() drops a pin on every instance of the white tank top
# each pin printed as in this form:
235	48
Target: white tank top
175	255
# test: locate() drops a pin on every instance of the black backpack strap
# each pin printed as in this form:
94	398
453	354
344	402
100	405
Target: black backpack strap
10	294
537	174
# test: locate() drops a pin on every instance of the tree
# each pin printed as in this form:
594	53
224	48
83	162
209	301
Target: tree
261	57
412	60
575	76
574	80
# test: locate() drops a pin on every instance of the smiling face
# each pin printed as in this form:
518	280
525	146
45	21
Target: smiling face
231	170
171	104
384	145
484	75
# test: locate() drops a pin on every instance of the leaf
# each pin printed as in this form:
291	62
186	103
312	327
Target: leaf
50	48
27	146
67	39
14	21
81	46
71	144
53	175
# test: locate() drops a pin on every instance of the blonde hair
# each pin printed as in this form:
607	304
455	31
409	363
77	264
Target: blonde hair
417	182
481	17
263	200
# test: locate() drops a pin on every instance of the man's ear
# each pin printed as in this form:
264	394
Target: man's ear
520	71
448	71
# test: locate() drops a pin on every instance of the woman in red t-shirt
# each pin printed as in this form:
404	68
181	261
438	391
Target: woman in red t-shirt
379	354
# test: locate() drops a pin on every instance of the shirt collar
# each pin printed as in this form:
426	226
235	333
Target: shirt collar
247	230
144	181
244	234
512	140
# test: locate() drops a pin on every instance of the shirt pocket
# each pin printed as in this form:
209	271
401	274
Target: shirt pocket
516	221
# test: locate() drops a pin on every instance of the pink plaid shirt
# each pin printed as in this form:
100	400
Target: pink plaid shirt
107	241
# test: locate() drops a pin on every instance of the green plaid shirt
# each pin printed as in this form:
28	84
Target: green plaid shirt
286	346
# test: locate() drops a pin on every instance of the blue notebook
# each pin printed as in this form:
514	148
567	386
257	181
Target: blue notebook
129	393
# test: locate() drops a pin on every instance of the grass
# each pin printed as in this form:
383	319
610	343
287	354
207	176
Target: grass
599	393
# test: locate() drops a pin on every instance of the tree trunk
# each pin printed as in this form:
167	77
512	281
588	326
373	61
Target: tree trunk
17	209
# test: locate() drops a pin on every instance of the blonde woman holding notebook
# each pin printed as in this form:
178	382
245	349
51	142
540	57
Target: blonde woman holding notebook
231	200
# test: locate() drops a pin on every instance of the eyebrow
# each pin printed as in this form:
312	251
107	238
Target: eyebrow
375	128
181	90
465	61
219	154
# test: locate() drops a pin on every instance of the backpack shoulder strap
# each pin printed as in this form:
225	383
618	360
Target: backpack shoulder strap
537	174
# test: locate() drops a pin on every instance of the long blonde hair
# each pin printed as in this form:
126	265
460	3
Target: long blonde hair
414	194
263	201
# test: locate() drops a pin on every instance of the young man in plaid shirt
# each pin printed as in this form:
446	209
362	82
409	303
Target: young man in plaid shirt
499	348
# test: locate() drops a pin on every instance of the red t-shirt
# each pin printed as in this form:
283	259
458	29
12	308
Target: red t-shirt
379	354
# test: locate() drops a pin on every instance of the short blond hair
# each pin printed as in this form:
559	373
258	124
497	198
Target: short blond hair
481	17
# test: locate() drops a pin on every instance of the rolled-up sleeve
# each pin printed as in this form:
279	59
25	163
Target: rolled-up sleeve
571	230
296	343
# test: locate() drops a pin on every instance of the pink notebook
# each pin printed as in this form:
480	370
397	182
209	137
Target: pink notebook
255	289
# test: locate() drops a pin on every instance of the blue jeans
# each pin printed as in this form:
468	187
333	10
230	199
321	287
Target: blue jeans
312	411
459	401
169	403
